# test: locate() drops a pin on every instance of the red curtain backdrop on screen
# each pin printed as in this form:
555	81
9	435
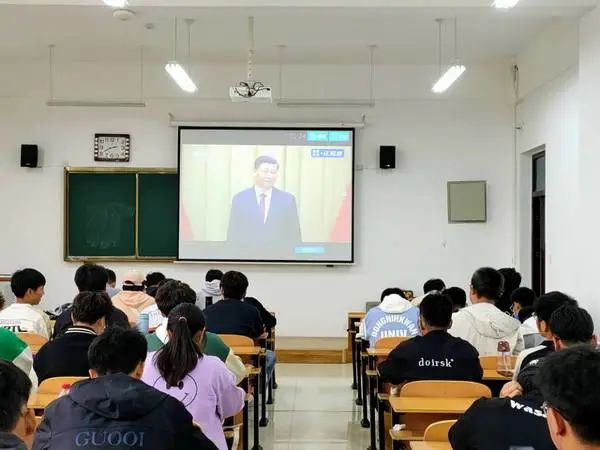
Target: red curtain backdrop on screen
186	231
342	227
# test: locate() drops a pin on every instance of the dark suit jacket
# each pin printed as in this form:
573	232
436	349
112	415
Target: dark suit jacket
276	237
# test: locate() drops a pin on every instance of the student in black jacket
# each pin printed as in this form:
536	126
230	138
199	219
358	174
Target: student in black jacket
93	278
569	325
115	409
436	355
67	355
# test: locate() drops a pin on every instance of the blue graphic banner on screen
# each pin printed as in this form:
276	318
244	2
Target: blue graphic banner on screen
266	194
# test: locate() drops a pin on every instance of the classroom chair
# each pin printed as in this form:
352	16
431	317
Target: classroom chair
33	340
438	431
390	342
417	423
54	385
234	340
491	362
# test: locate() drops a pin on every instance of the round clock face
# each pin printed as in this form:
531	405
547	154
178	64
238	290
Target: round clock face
111	147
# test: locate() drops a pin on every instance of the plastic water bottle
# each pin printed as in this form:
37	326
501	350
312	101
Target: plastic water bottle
144	323
64	390
504	365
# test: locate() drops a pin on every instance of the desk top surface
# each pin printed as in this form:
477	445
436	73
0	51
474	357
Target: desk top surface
424	405
40	401
246	351
422	445
356	315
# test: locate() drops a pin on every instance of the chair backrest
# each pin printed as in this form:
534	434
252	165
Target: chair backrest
390	342
443	388
438	431
32	339
54	385
491	362
235	340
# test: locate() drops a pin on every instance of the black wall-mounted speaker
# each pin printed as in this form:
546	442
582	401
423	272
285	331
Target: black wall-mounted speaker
387	157
29	155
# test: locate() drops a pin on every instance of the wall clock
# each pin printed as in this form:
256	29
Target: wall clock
112	147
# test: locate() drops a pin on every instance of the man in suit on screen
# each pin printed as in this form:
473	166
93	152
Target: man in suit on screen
264	220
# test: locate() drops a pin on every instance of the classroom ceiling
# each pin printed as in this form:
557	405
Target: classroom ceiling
404	31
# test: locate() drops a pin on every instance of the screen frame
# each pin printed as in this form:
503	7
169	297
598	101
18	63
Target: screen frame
268	261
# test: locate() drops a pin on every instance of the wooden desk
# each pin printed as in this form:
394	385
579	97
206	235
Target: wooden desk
353	318
40	401
246	351
493	375
422	445
431	405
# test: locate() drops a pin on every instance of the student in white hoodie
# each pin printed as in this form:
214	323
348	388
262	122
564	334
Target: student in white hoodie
211	291
394	317
482	324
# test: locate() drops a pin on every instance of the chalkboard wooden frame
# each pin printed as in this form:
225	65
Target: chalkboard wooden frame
112	170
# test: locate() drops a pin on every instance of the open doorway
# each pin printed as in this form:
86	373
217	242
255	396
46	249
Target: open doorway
538	223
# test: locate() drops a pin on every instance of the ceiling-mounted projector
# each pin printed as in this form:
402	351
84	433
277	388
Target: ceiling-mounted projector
250	91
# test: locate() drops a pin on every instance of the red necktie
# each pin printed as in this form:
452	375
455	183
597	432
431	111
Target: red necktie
263	207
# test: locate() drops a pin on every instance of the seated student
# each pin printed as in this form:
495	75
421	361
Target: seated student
15	350
115	409
569	384
172	293
569	326
432	285
512	281
92	278
482	324
458	297
393	317
211	291
66	356
502	424
523	300
111	286
133	301
24	316
17	422
435	355
544	308
233	316
153	280
200	382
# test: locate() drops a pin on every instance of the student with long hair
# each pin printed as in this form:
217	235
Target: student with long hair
201	382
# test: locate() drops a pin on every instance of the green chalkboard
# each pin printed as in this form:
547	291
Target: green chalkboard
158	198
101	214
121	214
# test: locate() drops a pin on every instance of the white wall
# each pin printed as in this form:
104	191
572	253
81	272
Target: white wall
401	221
589	160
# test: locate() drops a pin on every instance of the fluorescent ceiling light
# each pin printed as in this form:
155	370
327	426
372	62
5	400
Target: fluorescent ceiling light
116	3
324	103
449	78
180	77
97	103
505	4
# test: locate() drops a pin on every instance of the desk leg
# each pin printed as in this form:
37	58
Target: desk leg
372	400
381	423
354	370
245	425
359	398
263	393
396	445
365	397
256	445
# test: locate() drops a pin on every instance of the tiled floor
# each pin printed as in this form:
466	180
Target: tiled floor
314	409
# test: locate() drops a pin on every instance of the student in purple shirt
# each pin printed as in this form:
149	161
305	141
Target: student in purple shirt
201	382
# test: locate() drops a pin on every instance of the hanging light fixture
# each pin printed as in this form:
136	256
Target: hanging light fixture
505	4
116	3
176	70
455	71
